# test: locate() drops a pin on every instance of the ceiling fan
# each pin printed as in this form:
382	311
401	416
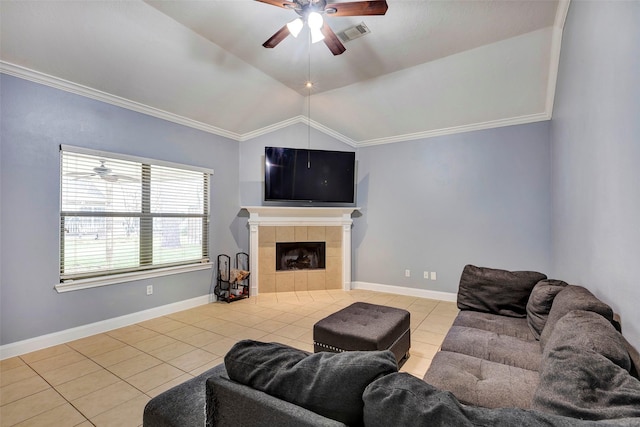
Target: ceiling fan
311	11
103	172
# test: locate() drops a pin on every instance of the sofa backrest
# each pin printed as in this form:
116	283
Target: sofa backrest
496	291
570	298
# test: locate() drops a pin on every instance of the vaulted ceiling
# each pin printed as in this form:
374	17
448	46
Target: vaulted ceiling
428	67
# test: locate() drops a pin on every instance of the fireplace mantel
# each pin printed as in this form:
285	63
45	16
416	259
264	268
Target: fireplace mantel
288	215
283	216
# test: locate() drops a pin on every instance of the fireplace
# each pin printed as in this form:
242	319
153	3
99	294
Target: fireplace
271	225
300	255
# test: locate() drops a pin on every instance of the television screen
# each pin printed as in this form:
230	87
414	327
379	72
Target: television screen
301	176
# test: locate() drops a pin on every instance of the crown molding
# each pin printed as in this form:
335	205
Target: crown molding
68	86
299	119
86	91
531	118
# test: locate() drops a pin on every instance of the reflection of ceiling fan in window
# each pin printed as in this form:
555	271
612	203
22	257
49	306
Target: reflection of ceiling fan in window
103	172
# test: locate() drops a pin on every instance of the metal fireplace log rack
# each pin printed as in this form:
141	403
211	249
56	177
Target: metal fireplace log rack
232	284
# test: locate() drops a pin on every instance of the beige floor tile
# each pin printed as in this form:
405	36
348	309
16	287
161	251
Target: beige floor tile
200	369
184	332
166	386
154	343
210	323
30	406
291	332
203	338
306	322
424	350
190	361
18	390
271	325
134	365
11	363
60	416
191	318
45	353
428	337
124	415
87	384
247	319
95	345
116	356
106	398
288	318
434	327
168	326
172	351
416	366
56	362
236	331
154	377
70	372
132	334
221	347
14	375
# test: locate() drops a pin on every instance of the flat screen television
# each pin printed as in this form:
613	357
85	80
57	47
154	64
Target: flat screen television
301	177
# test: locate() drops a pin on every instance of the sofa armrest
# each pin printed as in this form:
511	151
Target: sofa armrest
231	404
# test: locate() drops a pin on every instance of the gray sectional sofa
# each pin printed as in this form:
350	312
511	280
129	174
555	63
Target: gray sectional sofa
524	350
521	340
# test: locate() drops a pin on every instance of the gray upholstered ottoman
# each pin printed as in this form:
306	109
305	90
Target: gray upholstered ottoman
363	326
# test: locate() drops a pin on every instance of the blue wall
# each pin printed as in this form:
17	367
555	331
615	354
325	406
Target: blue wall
595	135
36	119
437	204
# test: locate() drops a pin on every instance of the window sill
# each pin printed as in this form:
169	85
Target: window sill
94	282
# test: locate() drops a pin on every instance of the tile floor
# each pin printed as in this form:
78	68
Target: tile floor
106	379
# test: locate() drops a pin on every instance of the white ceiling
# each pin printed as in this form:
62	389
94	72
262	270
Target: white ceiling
427	67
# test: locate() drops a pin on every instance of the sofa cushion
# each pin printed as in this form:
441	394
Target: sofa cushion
403	400
479	382
493	347
496	291
585	371
329	384
571	298
516	327
540	302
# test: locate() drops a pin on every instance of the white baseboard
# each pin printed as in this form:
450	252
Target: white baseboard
56	338
401	290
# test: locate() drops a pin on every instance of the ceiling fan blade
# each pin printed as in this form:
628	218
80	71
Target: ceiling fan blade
123	178
280	3
357	8
332	41
280	35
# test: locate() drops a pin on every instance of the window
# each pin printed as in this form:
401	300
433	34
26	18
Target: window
122	215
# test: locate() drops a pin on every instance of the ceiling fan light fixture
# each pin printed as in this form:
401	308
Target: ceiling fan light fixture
295	27
314	20
316	35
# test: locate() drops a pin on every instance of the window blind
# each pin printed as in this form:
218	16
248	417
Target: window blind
119	214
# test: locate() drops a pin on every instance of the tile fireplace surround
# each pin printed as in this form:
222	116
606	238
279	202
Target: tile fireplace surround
271	224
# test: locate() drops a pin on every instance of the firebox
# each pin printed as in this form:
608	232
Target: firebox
300	256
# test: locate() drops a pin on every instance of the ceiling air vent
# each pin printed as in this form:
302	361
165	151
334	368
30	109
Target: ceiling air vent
353	32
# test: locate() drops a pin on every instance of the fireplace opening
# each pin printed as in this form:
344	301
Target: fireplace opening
300	256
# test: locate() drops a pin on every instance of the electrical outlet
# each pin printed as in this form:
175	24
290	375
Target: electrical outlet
149	289
433	275
407	273
426	275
